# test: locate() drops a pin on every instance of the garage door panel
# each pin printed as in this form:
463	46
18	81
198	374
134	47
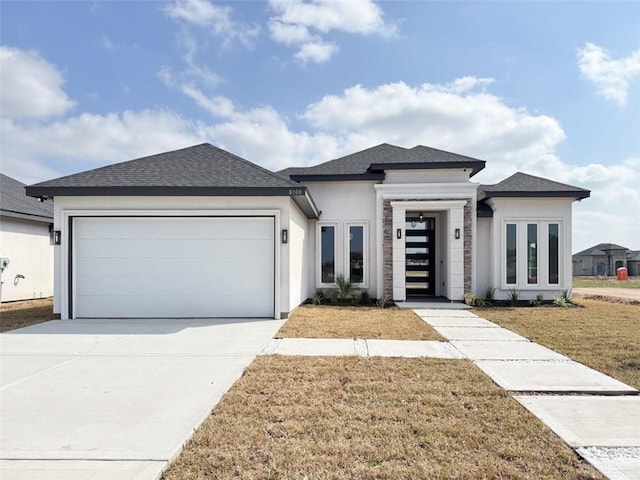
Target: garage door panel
170	266
178	228
161	306
171	248
174	267
128	286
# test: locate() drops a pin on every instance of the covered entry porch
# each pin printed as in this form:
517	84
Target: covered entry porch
431	251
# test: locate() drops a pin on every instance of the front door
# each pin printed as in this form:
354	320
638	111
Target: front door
420	253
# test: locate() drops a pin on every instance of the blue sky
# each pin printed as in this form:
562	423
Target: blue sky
548	88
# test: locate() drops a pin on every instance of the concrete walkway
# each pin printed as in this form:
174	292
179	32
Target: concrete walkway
594	413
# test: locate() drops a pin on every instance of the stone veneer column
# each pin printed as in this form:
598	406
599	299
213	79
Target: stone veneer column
468	244
387	249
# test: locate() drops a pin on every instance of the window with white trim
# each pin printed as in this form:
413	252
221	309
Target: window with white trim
327	235
357	259
554	253
532	253
512	254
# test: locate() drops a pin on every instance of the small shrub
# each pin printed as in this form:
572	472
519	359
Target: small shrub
563	300
539	300
513	297
383	301
487	298
364	298
345	288
317	298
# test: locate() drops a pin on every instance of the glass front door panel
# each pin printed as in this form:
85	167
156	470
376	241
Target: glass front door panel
419	255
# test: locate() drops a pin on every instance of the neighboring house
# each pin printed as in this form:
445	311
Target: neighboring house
25	239
605	259
200	232
633	263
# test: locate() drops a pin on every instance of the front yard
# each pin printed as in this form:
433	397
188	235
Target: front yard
372	418
602	335
366	418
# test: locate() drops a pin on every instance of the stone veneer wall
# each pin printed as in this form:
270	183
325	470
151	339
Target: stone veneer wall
387	243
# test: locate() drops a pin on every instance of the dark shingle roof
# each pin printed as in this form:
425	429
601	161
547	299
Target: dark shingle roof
524	185
372	162
198	170
202	165
600	249
14	202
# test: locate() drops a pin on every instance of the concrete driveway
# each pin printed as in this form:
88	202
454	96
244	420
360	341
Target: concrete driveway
116	399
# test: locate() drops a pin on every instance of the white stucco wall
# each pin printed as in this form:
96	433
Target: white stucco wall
427	176
282	207
344	202
484	249
27	244
300	257
552	210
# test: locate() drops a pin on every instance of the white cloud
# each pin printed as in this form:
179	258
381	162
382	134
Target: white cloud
88	140
305	24
461	116
317	52
213	19
31	86
354	16
611	77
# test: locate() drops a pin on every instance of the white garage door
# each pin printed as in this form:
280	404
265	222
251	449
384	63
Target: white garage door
145	267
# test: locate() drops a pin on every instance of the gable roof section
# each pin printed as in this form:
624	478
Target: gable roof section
600	249
14	202
524	185
199	170
370	164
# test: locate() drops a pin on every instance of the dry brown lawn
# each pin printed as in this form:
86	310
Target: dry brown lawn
310	321
372	418
603	335
22	314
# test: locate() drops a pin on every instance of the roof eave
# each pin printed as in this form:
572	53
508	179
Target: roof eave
578	195
298	193
338	178
160	191
306	204
27	216
474	165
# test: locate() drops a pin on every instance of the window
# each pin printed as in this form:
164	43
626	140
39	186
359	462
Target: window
512	253
327	254
532	253
356	253
554	257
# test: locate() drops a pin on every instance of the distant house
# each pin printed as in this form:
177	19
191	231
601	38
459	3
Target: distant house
26	241
605	259
633	263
